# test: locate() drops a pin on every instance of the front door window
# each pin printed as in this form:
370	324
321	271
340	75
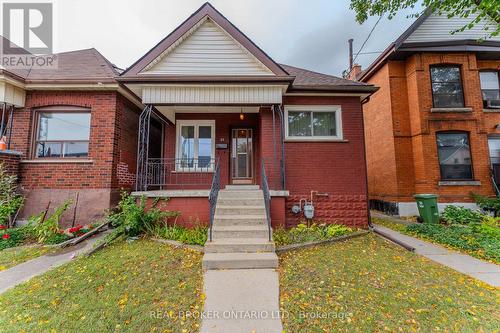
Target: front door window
242	155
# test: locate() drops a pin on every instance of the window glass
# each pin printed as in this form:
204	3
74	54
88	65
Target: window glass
454	156
299	123
446	87
490	88
494	144
187	146
63	134
324	124
205	146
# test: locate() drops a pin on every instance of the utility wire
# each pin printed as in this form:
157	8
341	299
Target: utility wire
367	38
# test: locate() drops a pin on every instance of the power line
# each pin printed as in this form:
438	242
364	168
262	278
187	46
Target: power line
368	37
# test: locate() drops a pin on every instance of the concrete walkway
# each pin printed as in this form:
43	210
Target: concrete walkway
11	277
481	270
241	301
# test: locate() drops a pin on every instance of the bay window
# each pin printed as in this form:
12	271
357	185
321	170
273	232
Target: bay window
490	89
455	161
447	89
312	122
62	134
195	145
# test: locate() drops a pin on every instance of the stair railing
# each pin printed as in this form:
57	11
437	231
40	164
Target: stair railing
212	197
267	197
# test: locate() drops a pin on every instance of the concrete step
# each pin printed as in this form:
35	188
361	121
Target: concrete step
253	194
229	201
242	187
240	210
238	245
240	231
228	220
239	260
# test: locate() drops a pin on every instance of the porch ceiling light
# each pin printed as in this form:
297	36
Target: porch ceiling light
242	116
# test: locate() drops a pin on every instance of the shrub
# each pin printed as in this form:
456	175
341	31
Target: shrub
487	204
194	236
10	200
454	214
49	228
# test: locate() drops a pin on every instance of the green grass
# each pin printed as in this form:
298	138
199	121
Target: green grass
464	238
15	255
303	233
376	286
128	287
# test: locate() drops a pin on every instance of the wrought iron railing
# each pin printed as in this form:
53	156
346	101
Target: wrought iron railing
267	197
179	173
212	197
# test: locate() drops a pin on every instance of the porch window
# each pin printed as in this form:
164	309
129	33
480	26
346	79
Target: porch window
447	87
62	134
454	155
195	145
490	89
313	122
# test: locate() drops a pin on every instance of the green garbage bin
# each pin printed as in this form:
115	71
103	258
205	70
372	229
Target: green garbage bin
427	207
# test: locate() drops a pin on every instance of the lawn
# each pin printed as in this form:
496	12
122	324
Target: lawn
15	255
129	287
464	238
369	285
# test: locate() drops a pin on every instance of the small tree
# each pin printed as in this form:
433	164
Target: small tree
10	200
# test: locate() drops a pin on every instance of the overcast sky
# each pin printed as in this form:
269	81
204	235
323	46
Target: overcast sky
311	34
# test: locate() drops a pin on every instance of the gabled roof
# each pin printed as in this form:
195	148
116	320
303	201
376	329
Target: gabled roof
207	10
432	32
309	80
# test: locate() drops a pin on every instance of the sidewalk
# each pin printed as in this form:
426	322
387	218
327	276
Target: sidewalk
11	277
481	270
241	300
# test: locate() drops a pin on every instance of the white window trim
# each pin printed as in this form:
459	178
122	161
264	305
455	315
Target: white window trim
196	124
316	108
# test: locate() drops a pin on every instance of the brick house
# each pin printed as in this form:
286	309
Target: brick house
203	109
433	127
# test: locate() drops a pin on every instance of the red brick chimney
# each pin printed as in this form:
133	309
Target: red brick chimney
354	73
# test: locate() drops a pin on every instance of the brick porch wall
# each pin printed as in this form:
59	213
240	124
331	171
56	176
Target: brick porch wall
10	161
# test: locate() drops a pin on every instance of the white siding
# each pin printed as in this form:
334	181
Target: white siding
207	50
12	95
438	28
212	94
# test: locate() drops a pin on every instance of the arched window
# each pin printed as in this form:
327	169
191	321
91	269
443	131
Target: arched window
455	162
62	132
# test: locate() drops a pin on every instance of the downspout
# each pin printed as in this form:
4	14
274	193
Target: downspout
370	224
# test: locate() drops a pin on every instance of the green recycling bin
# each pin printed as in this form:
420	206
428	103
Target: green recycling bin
427	207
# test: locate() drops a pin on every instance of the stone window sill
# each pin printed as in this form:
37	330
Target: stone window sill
491	110
451	110
459	183
58	160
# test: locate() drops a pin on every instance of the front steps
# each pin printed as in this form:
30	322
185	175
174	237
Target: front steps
240	238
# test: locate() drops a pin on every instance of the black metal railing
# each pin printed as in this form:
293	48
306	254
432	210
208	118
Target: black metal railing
179	173
212	197
267	197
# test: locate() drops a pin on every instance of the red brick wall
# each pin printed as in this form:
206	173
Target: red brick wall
10	161
336	168
405	97
194	211
111	148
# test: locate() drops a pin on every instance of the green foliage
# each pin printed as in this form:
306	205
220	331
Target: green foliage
487	204
485	9
15	237
303	233
10	200
454	214
193	236
480	240
132	218
49	229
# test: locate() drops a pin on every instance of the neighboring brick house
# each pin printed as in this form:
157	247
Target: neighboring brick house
433	127
216	110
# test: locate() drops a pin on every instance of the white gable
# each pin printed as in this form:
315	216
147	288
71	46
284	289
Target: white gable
438	27
206	50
